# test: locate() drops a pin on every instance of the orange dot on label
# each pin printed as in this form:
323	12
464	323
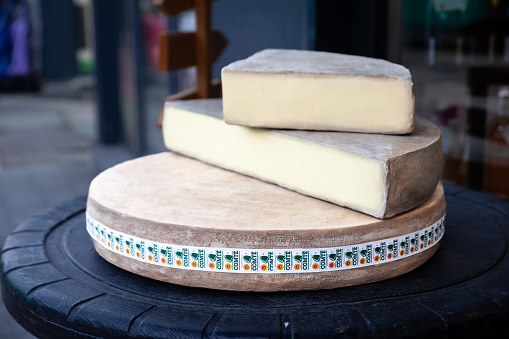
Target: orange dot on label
212	265
422	246
315	266
389	255
246	267
109	244
127	251
194	264
402	252
363	261
332	265
435	238
377	258
228	266
150	257
412	249
348	262
116	247
429	242
138	254
280	267
163	260
263	267
296	267
179	262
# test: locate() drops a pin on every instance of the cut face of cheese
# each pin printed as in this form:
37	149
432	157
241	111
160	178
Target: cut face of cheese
381	175
318	91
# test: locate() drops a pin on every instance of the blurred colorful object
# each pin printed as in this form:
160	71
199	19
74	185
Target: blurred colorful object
19	34
14	39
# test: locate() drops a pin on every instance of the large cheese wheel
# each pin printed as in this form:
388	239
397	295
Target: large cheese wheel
178	220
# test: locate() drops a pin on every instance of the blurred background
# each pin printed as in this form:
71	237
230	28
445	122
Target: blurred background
80	88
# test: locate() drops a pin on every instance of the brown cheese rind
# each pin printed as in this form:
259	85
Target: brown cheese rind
319	63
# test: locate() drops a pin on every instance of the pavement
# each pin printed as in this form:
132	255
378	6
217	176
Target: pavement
48	154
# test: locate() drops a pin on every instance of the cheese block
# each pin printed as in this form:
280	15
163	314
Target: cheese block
175	219
380	175
318	91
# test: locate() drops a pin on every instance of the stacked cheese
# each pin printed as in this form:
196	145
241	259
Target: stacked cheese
289	121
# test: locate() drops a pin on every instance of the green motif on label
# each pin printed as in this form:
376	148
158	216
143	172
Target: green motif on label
298	260
164	256
138	250
413	242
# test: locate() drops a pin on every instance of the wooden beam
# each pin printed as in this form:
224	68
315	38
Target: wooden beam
173	7
178	49
203	64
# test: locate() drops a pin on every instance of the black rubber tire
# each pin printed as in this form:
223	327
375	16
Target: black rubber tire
56	286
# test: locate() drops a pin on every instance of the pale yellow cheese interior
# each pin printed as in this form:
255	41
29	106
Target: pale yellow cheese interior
314	169
322	102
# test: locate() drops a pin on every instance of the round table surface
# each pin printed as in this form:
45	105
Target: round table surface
56	285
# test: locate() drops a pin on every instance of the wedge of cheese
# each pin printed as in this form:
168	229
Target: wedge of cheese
318	91
381	175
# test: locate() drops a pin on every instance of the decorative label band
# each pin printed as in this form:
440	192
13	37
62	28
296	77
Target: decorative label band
237	260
